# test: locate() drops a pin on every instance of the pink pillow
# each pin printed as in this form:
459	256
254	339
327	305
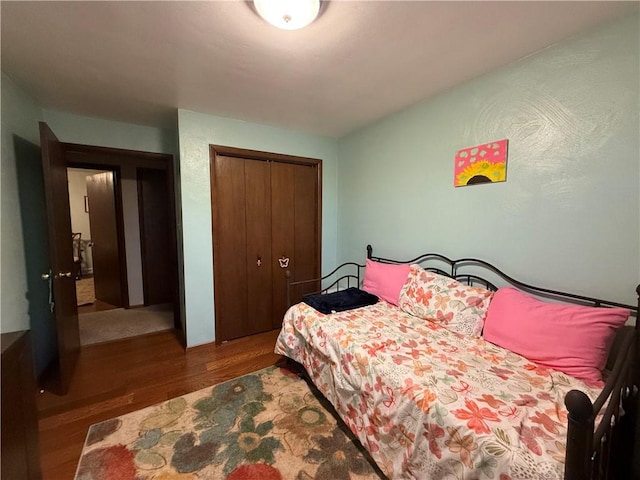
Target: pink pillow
385	280
573	339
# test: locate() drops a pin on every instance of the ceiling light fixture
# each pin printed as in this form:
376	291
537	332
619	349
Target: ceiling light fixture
288	14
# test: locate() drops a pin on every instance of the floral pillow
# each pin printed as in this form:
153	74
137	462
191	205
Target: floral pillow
446	301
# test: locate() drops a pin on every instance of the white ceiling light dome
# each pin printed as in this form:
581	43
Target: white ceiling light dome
288	14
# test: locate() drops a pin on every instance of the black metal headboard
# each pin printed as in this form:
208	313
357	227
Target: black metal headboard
464	270
470	271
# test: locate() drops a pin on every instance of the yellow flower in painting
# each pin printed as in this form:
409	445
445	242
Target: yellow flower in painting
495	172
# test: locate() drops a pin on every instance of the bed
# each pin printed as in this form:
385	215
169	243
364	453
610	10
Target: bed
431	401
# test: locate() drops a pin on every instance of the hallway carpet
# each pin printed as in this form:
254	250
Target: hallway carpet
98	327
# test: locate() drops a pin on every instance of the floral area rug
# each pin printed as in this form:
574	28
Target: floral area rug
267	425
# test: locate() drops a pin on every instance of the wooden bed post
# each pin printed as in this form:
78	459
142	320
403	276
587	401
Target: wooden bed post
579	436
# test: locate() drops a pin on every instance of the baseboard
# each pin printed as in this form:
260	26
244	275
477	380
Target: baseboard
136	306
202	345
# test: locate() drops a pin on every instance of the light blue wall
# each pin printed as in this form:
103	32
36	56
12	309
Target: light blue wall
20	116
73	128
567	216
196	132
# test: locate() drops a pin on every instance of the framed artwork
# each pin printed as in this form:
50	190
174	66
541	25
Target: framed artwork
486	163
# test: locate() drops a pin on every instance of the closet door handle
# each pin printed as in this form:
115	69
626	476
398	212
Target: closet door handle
259	261
283	261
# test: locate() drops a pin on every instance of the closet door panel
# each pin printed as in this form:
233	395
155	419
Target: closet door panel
282	237
266	207
306	225
229	247
258	252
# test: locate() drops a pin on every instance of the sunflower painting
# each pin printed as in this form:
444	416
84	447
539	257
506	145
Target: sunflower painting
486	163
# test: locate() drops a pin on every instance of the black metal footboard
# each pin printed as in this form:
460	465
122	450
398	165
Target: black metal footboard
347	275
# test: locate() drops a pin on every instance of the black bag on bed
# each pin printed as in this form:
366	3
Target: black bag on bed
340	301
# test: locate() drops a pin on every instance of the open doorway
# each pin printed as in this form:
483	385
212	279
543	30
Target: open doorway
81	182
120	217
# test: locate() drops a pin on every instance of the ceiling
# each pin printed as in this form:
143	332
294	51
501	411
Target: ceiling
138	62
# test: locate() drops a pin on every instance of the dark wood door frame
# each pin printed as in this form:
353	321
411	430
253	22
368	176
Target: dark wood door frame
221	150
107	158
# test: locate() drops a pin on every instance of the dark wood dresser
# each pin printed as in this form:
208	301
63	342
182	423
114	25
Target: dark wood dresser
20	458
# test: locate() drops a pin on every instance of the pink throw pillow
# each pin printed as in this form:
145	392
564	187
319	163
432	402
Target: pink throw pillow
573	339
385	280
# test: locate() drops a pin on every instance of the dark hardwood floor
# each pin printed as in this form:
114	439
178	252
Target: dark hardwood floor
115	378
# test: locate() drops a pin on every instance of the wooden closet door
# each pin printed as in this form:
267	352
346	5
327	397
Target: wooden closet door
241	233
306	228
265	207
103	222
229	246
258	252
295	230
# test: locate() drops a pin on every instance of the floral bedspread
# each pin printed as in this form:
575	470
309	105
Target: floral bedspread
428	403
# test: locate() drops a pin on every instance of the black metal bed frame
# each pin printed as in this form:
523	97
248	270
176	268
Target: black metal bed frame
593	452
